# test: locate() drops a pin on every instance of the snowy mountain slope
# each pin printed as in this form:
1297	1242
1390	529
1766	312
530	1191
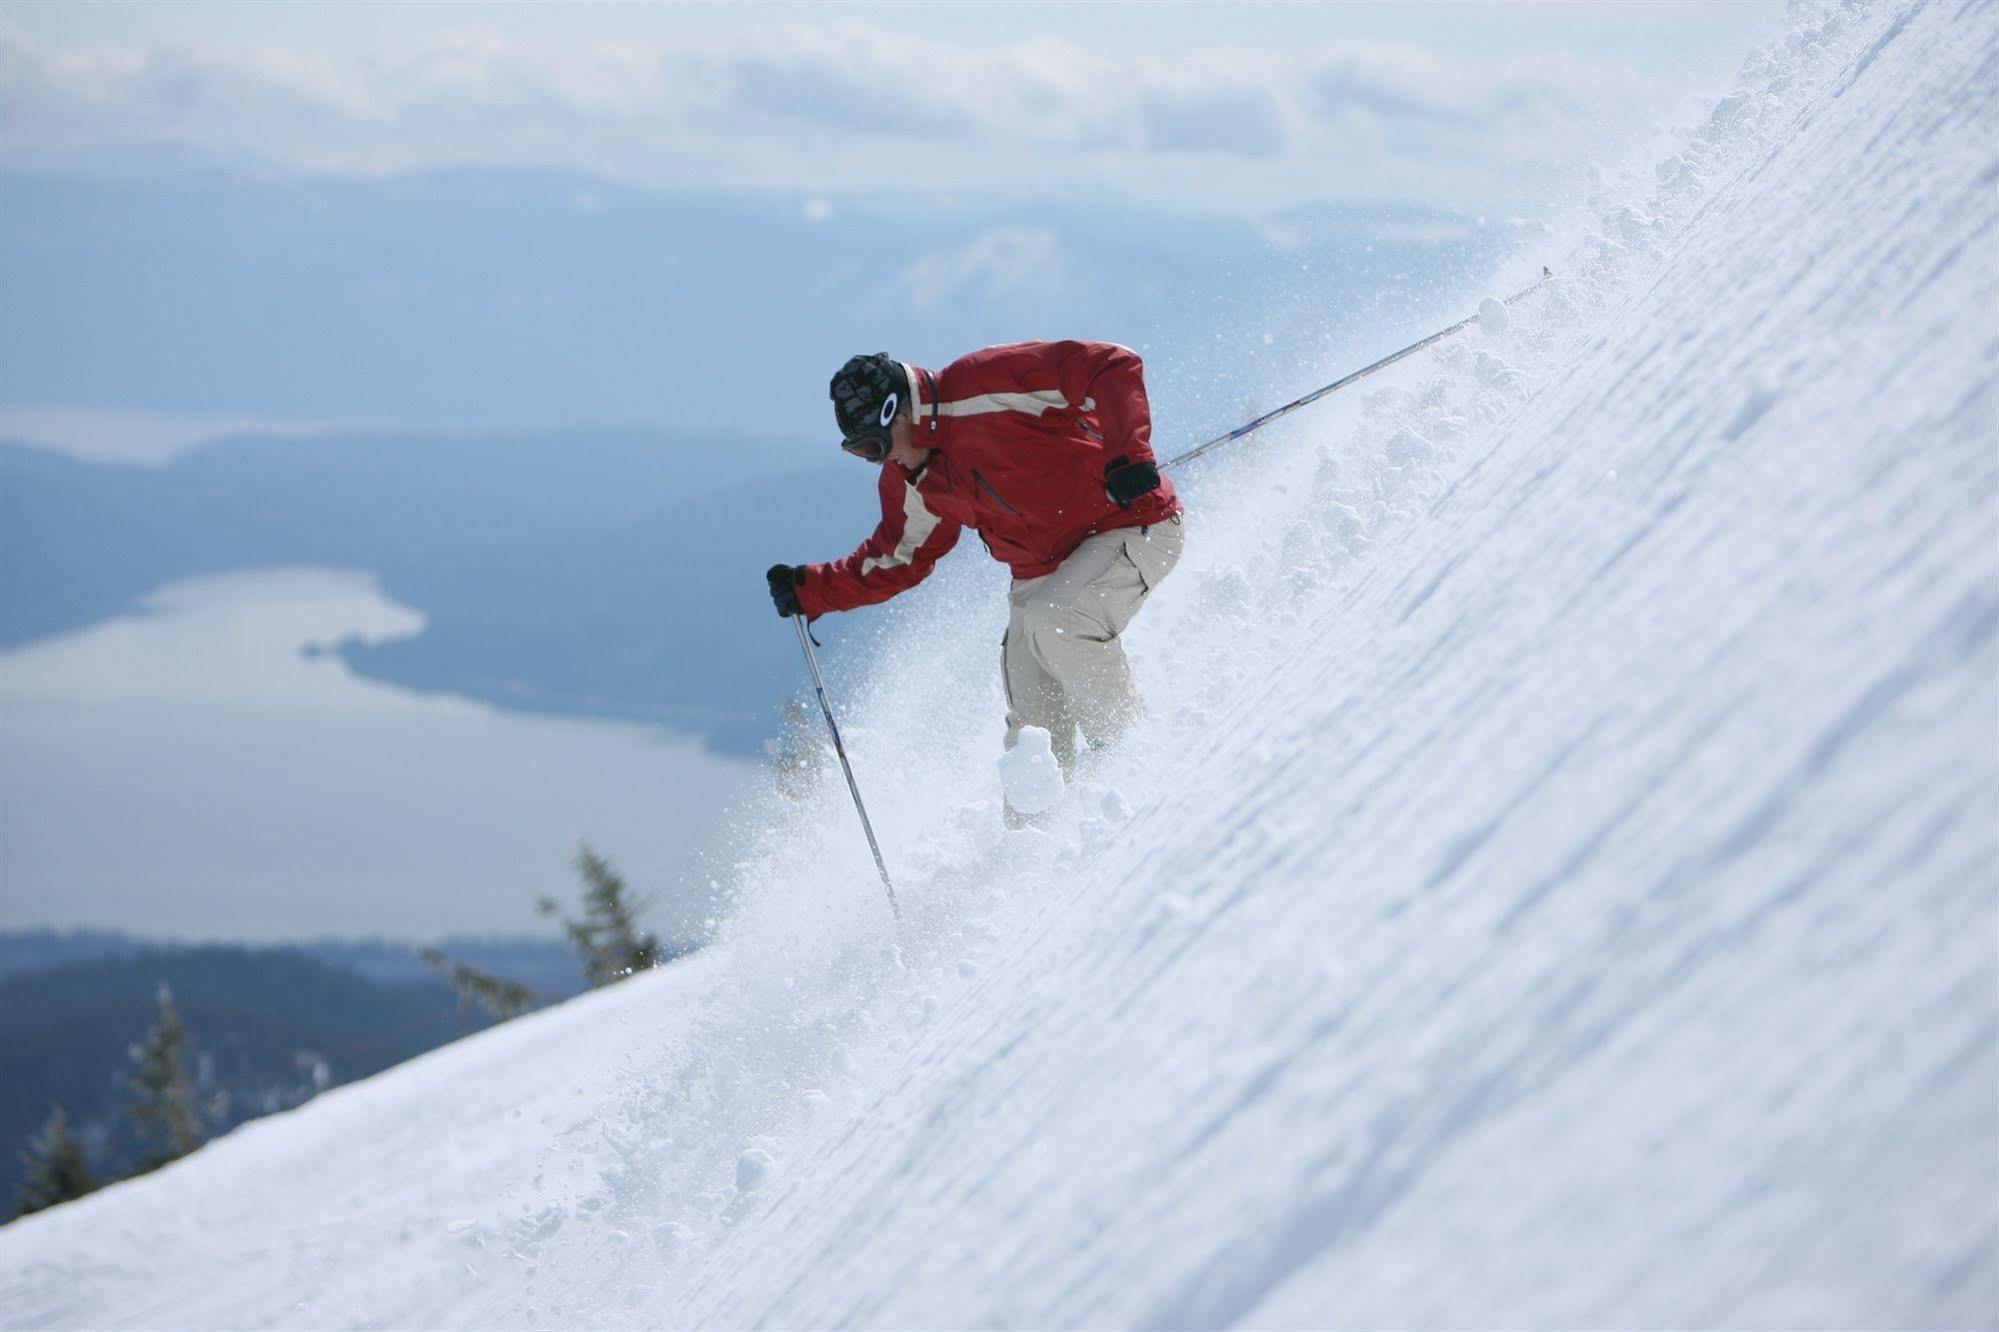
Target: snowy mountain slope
1558	885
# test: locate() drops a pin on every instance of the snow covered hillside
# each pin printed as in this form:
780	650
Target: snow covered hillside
1559	884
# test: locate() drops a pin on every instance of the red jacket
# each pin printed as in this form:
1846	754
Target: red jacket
1021	434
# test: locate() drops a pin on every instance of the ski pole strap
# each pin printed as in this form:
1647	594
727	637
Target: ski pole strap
1339	384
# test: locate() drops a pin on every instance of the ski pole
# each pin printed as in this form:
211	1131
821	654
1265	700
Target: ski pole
1339	384
805	642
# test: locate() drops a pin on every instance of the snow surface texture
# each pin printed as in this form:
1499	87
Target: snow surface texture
1556	886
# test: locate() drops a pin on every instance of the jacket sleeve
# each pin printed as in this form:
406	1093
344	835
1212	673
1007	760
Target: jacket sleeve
1114	377
900	554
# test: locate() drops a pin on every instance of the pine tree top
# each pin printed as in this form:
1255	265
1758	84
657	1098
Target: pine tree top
55	1168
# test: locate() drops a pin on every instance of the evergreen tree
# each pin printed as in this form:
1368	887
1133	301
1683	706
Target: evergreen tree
163	1095
53	1167
497	995
607	937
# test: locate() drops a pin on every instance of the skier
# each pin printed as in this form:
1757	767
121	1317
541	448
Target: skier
1044	449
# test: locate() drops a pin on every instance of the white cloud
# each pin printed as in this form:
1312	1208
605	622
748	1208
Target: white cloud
1250	121
846	109
999	265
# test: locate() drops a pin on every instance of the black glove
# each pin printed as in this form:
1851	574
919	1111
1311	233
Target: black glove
1125	480
784	584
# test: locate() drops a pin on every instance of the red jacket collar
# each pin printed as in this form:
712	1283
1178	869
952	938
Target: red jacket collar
923	414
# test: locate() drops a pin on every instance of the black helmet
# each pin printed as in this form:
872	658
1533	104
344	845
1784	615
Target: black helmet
868	393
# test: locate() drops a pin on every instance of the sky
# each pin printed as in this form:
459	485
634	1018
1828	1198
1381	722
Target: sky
1240	109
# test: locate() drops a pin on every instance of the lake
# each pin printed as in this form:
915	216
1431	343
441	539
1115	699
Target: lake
206	769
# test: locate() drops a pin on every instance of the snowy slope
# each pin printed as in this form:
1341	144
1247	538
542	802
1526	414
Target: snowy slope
1559	885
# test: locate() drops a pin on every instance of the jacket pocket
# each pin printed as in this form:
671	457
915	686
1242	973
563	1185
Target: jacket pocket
998	498
1153	554
1144	583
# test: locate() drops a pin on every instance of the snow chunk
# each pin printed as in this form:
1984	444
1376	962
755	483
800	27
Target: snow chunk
1030	774
1492	316
1103	803
753	1167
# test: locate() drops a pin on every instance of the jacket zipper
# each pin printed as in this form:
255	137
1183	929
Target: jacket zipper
997	499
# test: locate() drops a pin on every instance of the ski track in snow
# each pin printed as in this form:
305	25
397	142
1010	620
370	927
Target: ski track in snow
1556	887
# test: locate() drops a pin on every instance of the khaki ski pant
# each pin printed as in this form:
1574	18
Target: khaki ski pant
1061	659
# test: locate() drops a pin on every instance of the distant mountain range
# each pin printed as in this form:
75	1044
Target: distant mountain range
499	299
601	573
547	964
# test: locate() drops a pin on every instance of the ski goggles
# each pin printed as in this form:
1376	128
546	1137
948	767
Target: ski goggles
870	444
